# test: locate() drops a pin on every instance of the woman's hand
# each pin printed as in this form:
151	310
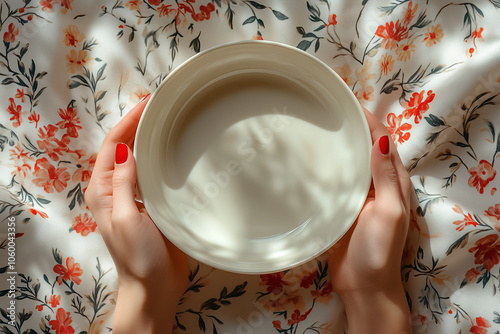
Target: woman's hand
365	263
152	272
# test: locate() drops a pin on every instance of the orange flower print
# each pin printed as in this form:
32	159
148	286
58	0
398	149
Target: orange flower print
70	272
433	35
70	121
10	35
76	61
257	37
467	221
165	10
324	295
54	300
493	214
134	4
62	322
84	171
73	36
481	175
418	105
487	251
481	326
277	324
21	160
84	224
16	111
405	50
386	63
398	129
345	73
39	308
391	34
410	13
49	177
365	93
472	275
49	144
47	6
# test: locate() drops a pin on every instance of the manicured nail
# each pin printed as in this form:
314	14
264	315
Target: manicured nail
145	97
121	153
383	144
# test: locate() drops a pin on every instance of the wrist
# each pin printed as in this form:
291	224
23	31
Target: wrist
377	310
145	308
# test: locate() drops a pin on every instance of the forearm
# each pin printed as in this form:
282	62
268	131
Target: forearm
384	312
141	311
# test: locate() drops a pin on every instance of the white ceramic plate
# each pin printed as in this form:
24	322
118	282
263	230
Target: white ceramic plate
253	157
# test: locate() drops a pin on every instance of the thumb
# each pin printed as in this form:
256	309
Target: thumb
385	176
124	180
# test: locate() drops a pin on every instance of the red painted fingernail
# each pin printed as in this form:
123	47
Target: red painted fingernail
383	144
145	97
121	153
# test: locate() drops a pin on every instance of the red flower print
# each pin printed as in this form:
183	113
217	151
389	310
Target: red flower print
21	160
487	251
10	35
72	36
277	324
70	272
472	274
49	144
39	307
70	121
84	224
418	105
481	326
391	34
204	13
54	300
398	129
20	95
308	279
274	282
34	118
16	111
481	175
154	2
62	323
165	10
493	214
297	317
324	295
66	4
467	221
332	20
35	212
50	177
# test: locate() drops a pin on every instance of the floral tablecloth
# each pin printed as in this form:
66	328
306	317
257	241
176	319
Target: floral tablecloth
71	69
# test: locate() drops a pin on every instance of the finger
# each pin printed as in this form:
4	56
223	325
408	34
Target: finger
124	179
377	129
386	182
99	187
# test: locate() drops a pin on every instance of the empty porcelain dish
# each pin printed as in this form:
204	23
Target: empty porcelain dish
253	157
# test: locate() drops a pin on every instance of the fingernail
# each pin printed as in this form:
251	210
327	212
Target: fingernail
145	97
121	153
383	144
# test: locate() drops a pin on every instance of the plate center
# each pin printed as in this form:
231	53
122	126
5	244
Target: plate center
253	157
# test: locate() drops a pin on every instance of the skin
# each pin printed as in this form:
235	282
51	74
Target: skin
152	272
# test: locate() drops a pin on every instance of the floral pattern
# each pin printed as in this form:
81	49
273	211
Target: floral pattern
69	71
